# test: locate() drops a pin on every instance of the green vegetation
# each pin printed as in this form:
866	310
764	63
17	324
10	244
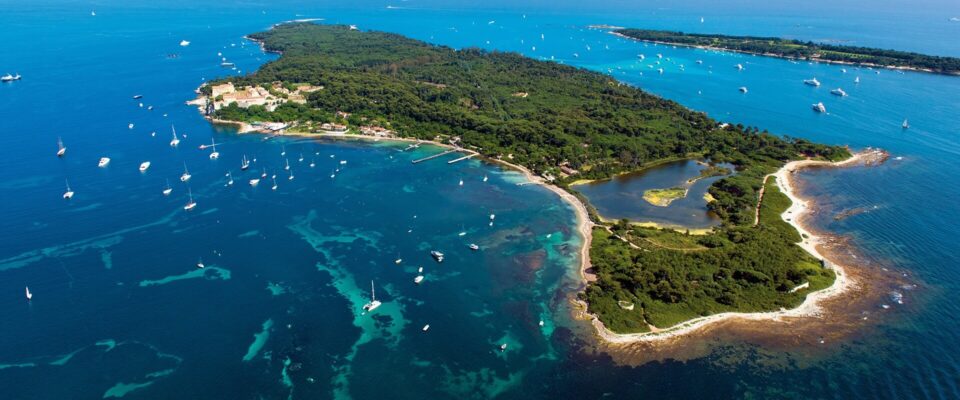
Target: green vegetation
802	50
672	277
578	119
663	197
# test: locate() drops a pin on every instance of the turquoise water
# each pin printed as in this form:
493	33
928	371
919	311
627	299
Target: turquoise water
622	196
120	310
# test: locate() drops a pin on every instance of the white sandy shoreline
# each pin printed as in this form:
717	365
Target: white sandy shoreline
811	306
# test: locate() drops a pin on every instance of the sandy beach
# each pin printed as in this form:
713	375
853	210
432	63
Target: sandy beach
812	305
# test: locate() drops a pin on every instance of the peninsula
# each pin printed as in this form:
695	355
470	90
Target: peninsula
559	124
800	50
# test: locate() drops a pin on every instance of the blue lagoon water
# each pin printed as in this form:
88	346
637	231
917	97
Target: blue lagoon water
120	309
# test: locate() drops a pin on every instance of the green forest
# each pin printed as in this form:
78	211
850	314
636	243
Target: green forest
543	115
802	50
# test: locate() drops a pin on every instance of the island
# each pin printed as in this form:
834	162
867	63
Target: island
800	50
559	124
663	197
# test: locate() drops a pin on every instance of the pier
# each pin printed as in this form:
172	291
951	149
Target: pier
466	157
427	158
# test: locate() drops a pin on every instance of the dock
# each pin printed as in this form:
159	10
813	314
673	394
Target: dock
427	158
466	157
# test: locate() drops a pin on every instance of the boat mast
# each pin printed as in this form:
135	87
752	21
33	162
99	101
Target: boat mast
373	293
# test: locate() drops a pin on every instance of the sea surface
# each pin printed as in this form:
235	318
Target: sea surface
120	308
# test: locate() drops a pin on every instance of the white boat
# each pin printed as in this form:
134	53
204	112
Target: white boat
398	261
739	67
906	125
312	164
819	108
844	70
274	187
290	178
144	166
503	347
420	270
493	217
29	295
69	193
374	303
184	43
301	158
485	178
10	78
343	162
245	163
93	13
104	161
283	150
838	92
167	190
541	322
254	181
61	149
812	82
264	173
418	279
200	264
699	61
743	89
175	141
130	125
215	154
474	247
436	255
426	327
856	80
186	174
461	182
229	179
286	164
190	204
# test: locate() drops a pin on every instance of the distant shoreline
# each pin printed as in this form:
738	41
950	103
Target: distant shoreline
812	59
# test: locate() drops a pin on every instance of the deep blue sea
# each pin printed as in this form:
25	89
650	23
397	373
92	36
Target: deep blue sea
121	310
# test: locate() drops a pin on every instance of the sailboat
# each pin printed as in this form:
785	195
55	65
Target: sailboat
29	295
264	174
286	165
283	150
186	174
190	204
312	164
463	232
245	163
290	178
175	141
485	178
274	187
856	80
215	154
229	179
200	263
69	193
374	303
301	158
461	182
167	190
61	149
906	125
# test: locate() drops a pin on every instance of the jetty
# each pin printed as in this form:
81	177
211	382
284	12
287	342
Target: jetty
466	157
427	158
